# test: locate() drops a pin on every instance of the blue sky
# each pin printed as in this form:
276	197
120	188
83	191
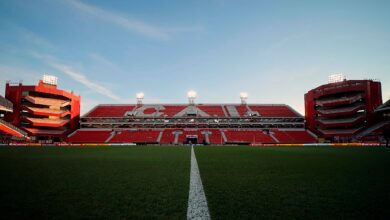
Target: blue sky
107	51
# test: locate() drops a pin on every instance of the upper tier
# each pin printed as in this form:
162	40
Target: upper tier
198	110
47	101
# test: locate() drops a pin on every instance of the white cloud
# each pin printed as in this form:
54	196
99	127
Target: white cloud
129	24
77	76
100	59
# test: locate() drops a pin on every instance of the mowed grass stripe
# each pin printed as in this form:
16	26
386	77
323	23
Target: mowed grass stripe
94	182
291	182
197	202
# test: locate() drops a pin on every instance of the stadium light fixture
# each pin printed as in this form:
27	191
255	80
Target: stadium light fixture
49	79
140	96
337	77
191	95
243	97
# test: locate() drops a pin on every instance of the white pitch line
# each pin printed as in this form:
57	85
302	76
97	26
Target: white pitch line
197	203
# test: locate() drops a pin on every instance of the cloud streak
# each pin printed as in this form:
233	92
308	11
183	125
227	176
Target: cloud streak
77	76
129	24
100	59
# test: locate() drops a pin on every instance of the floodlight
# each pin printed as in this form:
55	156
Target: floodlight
191	95
243	97
140	96
337	77
49	79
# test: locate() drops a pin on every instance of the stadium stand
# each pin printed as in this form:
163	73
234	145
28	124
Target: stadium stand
110	110
167	137
194	136
46	122
45	131
213	110
376	131
214	136
274	110
90	136
293	136
9	129
193	123
337	111
242	136
344	100
342	111
44	111
136	136
47	101
47	111
338	122
240	110
202	110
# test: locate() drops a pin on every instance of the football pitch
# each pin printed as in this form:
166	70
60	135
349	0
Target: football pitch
153	182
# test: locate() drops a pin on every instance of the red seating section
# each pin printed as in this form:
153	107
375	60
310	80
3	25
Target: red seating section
212	110
110	111
9	129
136	136
215	137
89	136
274	111
167	137
293	136
237	136
247	136
241	109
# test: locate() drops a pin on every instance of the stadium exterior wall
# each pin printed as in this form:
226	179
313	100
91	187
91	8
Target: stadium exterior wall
341	109
47	121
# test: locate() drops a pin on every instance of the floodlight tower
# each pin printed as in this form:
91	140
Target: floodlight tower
243	97
337	77
191	95
50	80
140	96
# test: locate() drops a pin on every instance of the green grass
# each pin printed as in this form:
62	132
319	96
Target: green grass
296	182
94	182
153	182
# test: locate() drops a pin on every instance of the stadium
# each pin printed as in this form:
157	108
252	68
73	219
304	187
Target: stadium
173	109
151	145
342	111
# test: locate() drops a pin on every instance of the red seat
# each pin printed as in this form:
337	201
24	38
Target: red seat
212	110
274	110
167	137
293	136
110	110
247	136
136	136
89	136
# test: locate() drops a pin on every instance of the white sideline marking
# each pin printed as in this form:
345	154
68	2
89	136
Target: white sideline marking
197	203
